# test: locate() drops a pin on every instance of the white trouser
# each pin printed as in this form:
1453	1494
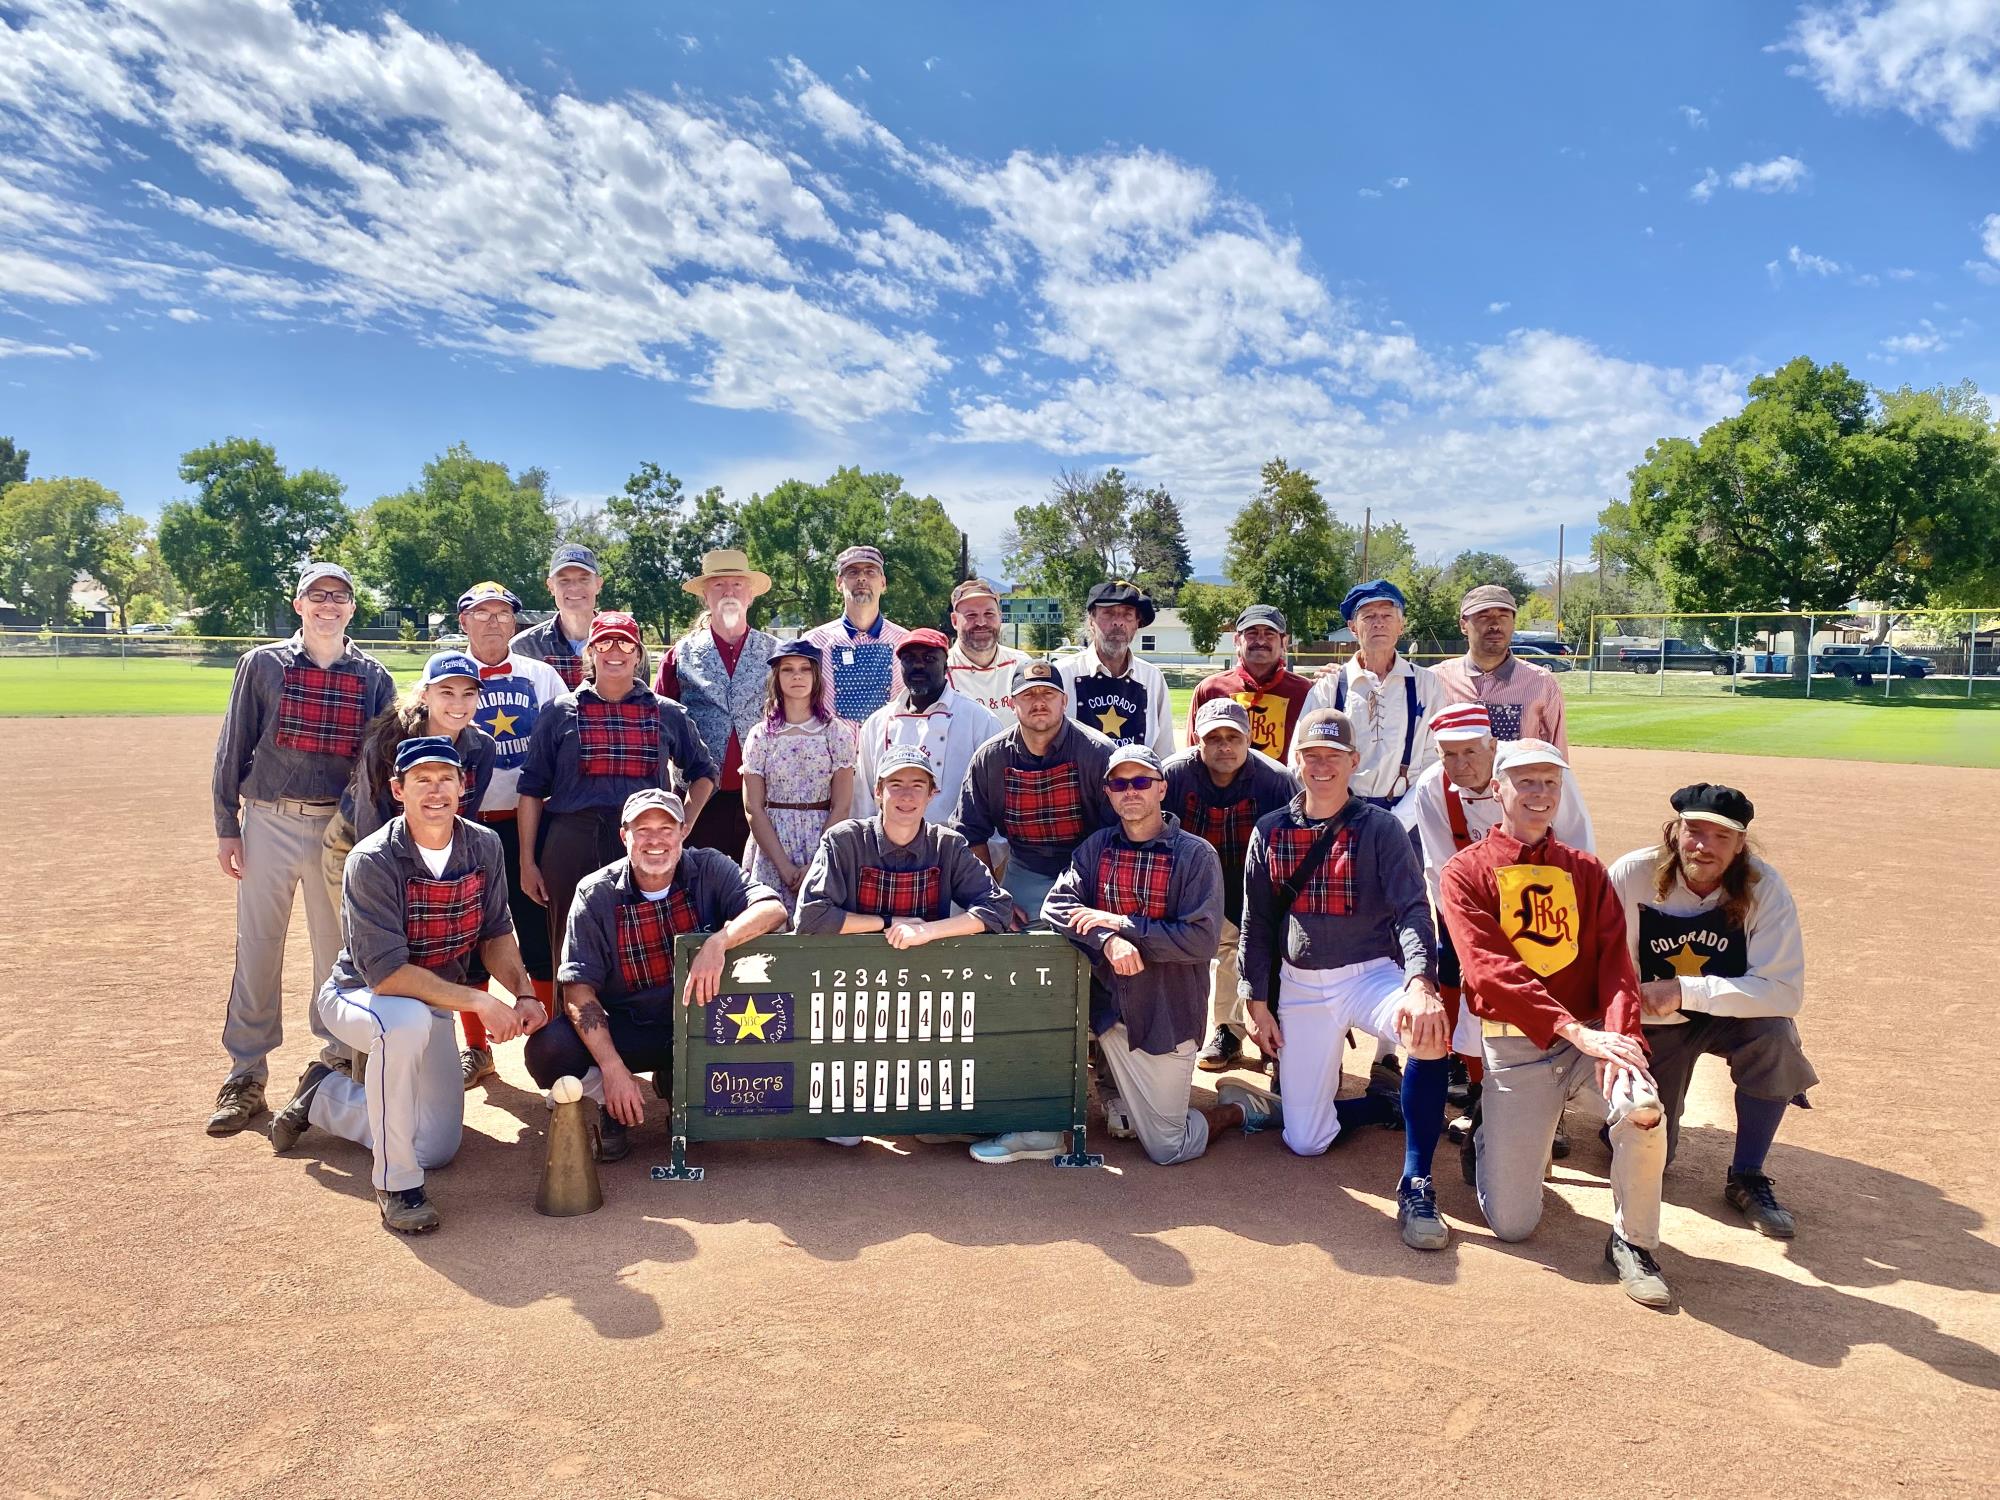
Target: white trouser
1315	1009
411	1111
1226	1006
1155	1088
281	853
1526	1089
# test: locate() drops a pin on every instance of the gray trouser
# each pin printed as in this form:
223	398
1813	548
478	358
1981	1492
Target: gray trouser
1155	1088
281	855
411	1110
1526	1089
1766	1059
1225	1006
1028	889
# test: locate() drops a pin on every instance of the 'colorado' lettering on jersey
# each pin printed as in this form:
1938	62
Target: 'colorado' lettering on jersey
1114	706
1672	947
511	697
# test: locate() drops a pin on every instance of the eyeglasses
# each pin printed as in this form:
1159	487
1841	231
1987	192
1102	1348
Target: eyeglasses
1131	783
328	596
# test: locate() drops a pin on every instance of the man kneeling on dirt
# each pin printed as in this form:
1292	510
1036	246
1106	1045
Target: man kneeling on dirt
1715	935
617	969
422	894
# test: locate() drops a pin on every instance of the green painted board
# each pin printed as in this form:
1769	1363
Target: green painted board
820	1036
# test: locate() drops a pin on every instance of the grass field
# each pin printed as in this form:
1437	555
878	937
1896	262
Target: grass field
1858	726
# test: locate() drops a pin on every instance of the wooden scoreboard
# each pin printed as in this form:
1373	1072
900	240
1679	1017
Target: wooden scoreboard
820	1036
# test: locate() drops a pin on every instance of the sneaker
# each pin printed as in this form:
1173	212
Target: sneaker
614	1140
291	1121
1260	1110
842	1140
1385	1076
1223	1052
1638	1273
407	1211
1417	1215
1749	1193
475	1063
237	1103
1020	1145
1559	1147
1117	1118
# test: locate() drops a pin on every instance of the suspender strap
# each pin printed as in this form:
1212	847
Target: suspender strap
1454	811
1409	729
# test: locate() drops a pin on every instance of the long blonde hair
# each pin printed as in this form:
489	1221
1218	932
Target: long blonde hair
1739	881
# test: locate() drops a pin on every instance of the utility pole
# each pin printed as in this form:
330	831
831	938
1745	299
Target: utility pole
1367	518
1559	581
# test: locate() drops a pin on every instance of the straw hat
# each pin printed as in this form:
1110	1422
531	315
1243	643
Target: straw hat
727	562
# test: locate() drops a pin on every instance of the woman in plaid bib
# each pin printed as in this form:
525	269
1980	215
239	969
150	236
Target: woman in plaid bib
425	898
1351	944
591	750
617	968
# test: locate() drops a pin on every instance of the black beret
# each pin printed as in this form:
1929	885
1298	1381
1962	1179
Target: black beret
1715	803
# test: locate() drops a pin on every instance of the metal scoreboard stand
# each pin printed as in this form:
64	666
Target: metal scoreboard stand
819	1036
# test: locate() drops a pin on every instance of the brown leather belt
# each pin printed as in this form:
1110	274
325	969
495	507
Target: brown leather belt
797	806
498	815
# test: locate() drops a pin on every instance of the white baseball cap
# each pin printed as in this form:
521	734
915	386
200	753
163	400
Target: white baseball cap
1514	754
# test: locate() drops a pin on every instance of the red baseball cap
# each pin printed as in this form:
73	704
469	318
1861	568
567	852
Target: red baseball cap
612	623
924	637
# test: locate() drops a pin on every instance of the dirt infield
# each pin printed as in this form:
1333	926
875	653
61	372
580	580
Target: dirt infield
198	1317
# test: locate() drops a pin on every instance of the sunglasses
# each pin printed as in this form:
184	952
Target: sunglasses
328	596
1131	783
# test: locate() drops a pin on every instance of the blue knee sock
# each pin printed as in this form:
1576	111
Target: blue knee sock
1757	1122
1364	1109
1424	1085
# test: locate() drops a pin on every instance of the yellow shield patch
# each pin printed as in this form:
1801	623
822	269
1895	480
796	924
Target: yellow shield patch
1268	712
1539	914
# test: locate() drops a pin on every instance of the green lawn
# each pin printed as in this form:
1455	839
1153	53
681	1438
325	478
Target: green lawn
1858	726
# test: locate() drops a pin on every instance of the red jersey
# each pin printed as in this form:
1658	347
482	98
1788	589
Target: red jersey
1274	705
1540	935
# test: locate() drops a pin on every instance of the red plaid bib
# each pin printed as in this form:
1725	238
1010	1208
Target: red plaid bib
1043	807
442	918
618	739
1330	892
1226	828
322	711
896	895
646	933
569	668
1133	882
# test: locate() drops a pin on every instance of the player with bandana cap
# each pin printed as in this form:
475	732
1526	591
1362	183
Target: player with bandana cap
618	960
1540	934
515	688
289	740
1715	935
1109	687
422	895
859	669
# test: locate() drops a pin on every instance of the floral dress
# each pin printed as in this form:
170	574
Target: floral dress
797	762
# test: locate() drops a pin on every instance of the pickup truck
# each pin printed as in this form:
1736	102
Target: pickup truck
1864	663
1678	657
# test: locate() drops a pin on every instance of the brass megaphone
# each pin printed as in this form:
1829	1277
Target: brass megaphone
569	1175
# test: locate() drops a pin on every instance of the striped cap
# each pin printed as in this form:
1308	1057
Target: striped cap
1462	721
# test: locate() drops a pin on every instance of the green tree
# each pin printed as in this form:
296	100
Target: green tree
466	520
1818	494
1161	562
1389	550
50	531
1077	538
1207	610
656	536
1430	613
1286	549
797	529
13	464
1470	569
123	565
237	546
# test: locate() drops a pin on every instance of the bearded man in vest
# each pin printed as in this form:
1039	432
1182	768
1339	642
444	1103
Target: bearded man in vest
718	672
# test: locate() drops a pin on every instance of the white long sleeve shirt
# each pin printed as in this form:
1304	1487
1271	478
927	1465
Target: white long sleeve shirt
1128	709
1759	970
948	732
1380	709
1428	810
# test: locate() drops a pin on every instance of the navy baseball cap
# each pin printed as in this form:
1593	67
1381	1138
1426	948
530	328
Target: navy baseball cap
1368	593
1037	673
483	593
425	748
450	664
573	555
794	651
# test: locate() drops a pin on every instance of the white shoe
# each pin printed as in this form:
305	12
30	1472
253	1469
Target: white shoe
1020	1145
843	1140
1117	1118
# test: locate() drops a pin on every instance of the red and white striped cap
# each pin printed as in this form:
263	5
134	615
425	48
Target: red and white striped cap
1462	721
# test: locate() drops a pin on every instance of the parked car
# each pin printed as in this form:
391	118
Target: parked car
149	628
1677	656
1864	663
1543	655
452	640
1541	640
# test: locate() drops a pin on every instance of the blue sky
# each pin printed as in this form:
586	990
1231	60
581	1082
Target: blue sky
1463	262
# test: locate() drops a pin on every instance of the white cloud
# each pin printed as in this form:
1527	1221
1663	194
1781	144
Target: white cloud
1498	307
930	63
185	315
1705	188
1781	174
689	43
1367	192
23	274
1923	339
1696	120
1805	261
862	73
1937	61
1904	273
15	349
1989	237
1399	183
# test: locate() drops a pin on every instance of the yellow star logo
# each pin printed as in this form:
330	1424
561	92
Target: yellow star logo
503	722
1687	964
750	1021
1111	722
